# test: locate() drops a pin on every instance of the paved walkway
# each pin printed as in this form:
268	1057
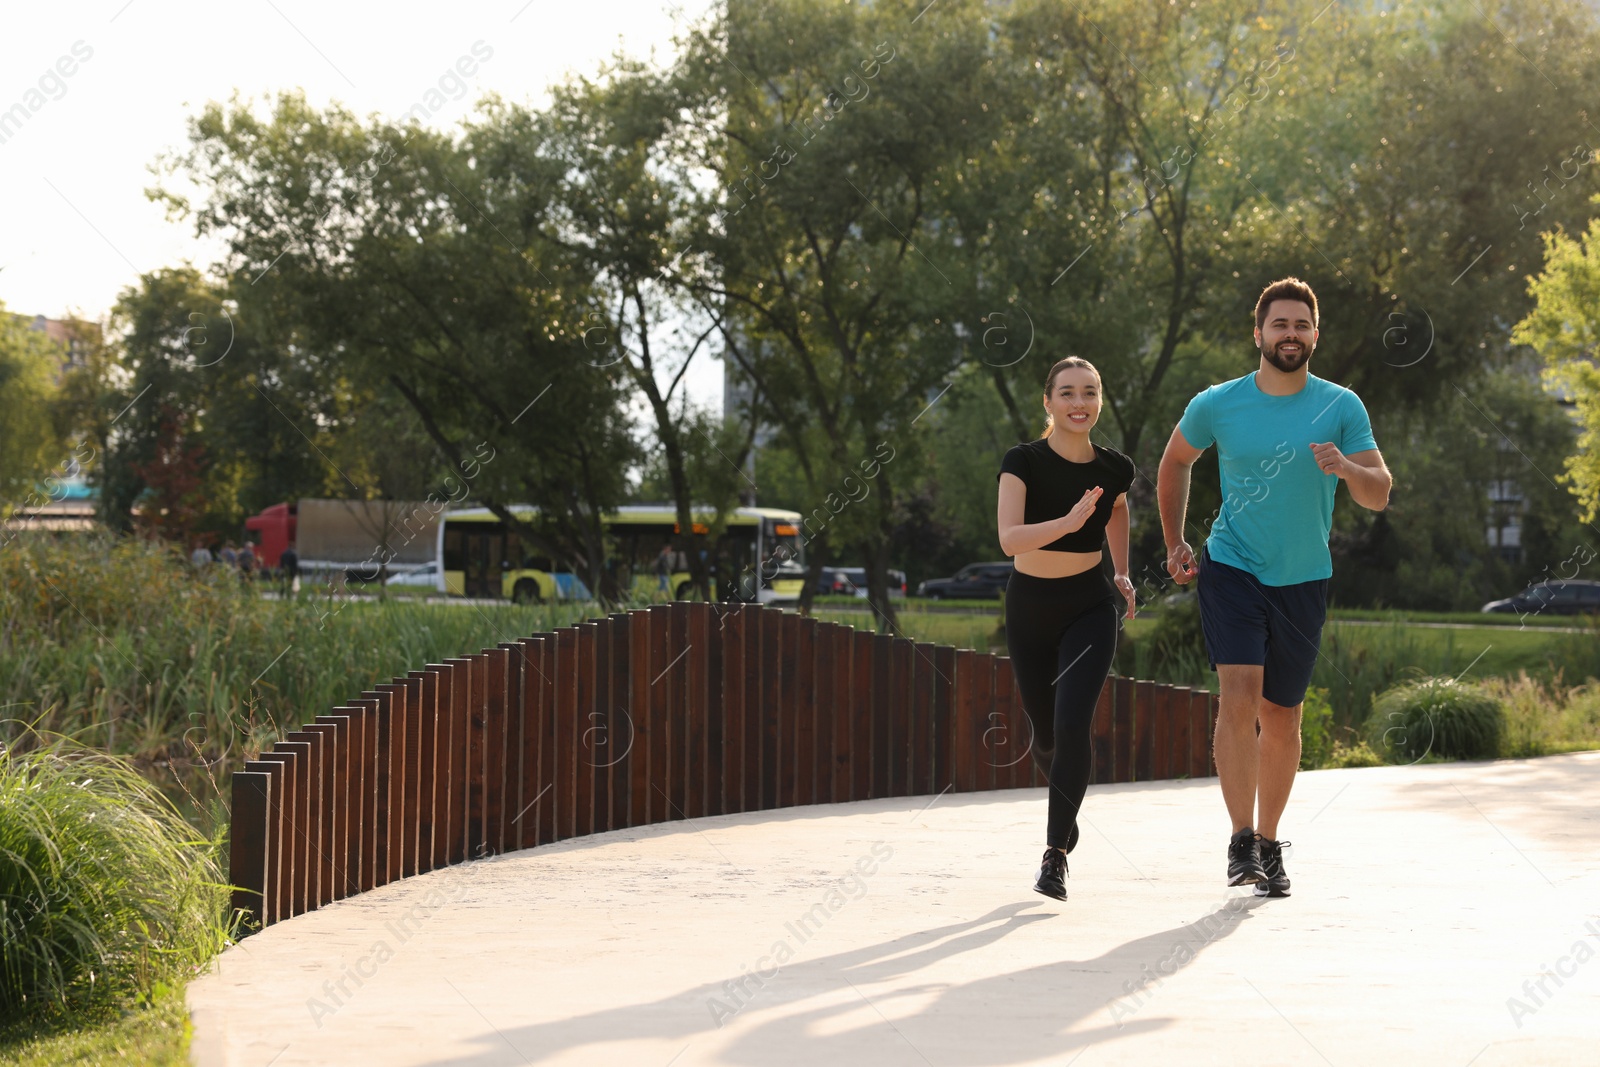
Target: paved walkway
1444	914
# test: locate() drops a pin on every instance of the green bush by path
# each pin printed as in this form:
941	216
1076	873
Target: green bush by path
1438	717
104	889
1544	717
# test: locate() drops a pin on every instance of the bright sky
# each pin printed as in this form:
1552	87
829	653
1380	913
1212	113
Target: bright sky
74	158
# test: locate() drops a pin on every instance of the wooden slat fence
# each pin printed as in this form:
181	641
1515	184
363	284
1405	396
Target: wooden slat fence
670	712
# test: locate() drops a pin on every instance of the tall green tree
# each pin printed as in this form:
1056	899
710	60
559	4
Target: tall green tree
421	261
830	134
30	442
1564	328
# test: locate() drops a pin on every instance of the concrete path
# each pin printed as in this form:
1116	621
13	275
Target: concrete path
1444	914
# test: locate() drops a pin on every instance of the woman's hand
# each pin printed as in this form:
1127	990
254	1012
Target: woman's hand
1124	586
1082	510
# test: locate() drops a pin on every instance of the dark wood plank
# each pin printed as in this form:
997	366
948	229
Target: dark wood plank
281	850
301	832
1178	732
587	725
497	664
900	695
803	686
963	750
422	724
1100	740
362	829
271	905
620	735
783	707
640	796
314	812
862	702
658	694
1213	709
1009	747
247	843
674	685
599	729
1160	732
769	712
458	726
880	713
534	820
843	740
942	727
1143	731
921	743
716	778
701	768
567	732
1199	757
346	814
1123	738
754	708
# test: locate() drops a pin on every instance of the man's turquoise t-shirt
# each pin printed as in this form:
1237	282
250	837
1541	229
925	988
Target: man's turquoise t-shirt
1277	505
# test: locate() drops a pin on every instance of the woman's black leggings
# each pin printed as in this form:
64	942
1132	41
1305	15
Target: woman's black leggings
1062	633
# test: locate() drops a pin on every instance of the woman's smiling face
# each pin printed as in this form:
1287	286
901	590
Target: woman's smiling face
1074	399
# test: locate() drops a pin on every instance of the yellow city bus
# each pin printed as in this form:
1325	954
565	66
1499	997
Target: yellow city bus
759	556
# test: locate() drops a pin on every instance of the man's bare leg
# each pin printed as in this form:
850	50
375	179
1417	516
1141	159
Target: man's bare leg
1235	748
1280	759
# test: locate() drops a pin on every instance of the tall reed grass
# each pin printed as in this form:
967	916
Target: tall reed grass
105	889
122	645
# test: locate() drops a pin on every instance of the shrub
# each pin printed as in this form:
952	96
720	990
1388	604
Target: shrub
1439	717
1357	755
103	890
1546	717
1316	730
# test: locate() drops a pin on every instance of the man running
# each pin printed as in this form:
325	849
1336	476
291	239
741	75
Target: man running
1284	438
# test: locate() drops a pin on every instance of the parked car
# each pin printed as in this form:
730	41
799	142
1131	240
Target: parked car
1551	598
425	575
833	581
852	581
976	581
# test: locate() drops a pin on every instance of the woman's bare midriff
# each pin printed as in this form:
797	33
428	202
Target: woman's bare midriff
1044	563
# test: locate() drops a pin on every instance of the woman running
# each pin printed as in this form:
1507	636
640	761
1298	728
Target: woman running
1061	498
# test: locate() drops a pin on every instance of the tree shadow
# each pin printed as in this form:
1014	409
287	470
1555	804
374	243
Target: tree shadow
1006	1027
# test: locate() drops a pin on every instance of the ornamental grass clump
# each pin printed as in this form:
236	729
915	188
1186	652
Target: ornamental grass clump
1436	717
104	890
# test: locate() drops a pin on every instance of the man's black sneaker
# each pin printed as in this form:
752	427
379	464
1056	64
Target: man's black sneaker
1244	858
1052	875
1277	881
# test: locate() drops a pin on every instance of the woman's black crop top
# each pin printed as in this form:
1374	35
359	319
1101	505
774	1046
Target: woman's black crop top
1055	485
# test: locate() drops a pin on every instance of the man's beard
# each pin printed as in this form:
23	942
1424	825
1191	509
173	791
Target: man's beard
1288	364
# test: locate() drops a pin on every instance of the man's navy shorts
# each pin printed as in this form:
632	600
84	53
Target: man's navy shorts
1276	626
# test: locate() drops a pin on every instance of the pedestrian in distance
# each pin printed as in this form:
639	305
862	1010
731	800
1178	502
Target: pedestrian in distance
247	561
664	569
1062	501
1285	440
289	570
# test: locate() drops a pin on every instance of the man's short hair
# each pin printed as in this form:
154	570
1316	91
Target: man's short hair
1286	289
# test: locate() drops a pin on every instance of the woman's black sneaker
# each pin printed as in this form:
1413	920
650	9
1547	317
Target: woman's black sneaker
1244	858
1277	881
1052	875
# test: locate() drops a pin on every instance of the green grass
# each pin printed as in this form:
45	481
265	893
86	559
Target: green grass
123	646
154	1032
1471	618
105	890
